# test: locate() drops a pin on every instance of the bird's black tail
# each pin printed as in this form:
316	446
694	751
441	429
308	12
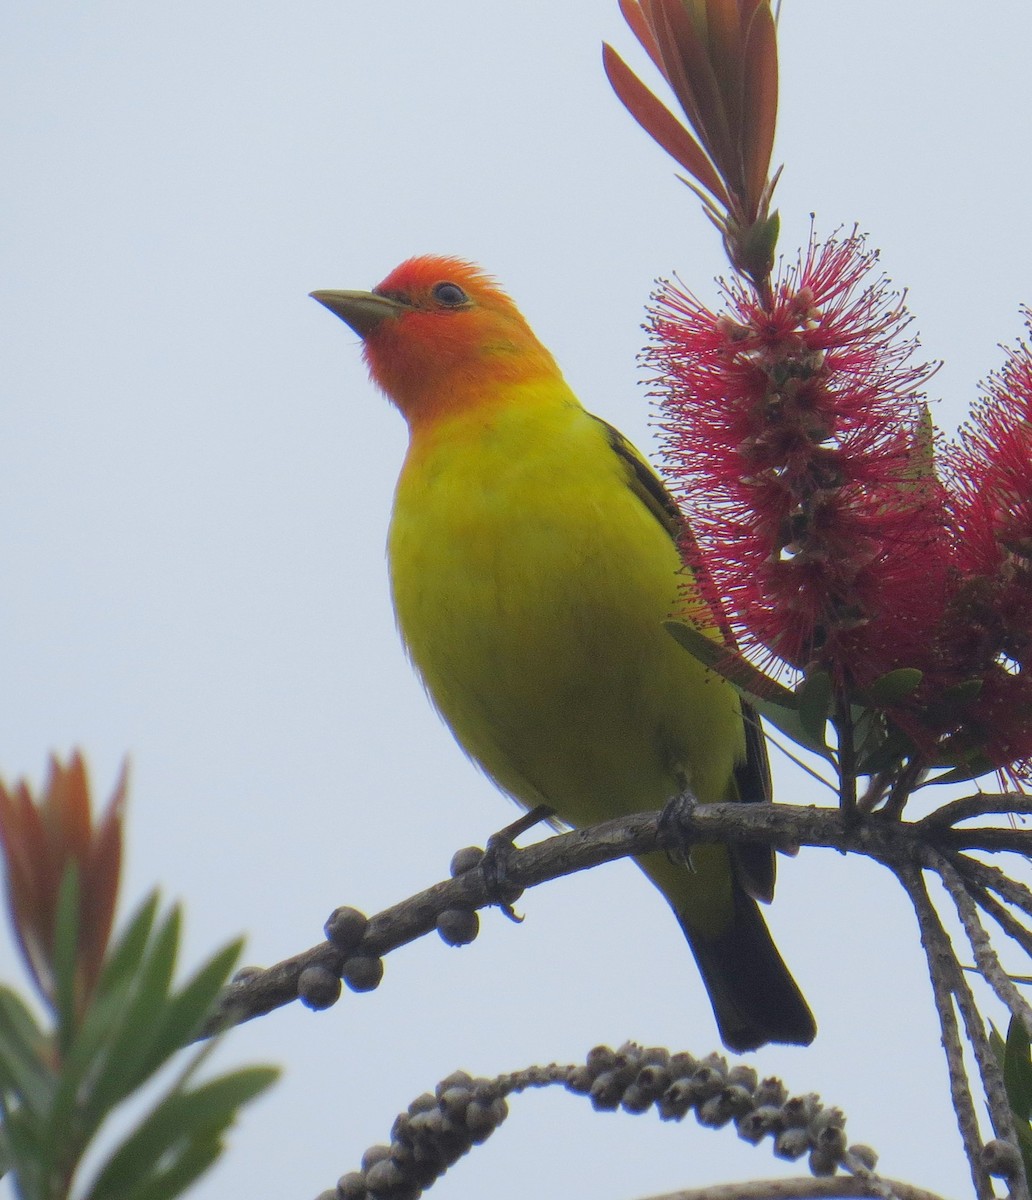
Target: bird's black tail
755	999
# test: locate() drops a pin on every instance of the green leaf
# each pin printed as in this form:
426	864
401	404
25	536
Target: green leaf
730	665
186	1010
129	1058
814	698
1015	1057
181	1125
774	702
26	1152
175	1179
1017	1070
126	954
975	767
894	686
25	1073
891	748
66	954
788	722
116	983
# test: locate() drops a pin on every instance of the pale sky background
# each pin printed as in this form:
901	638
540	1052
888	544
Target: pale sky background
197	477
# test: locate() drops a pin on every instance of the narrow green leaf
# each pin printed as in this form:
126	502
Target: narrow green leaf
814	697
894	686
1017	1070
885	752
129	1055
186	1011
116	983
1013	1057
66	953
178	1122
730	665
102	1064
25	1072
774	702
787	721
127	951
975	767
174	1179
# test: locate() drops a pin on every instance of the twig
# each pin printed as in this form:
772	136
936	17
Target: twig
843	723
902	789
939	955
1006	920
991	970
981	804
986	958
981	837
994	879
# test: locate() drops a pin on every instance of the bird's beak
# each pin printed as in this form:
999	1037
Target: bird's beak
363	311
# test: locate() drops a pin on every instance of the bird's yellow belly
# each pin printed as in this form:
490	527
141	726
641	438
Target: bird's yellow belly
537	629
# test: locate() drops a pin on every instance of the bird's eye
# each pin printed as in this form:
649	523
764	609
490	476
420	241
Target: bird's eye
450	294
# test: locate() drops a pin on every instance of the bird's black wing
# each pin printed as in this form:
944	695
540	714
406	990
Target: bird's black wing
755	863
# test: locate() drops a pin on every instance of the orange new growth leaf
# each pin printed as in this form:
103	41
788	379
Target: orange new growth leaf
720	59
660	123
41	839
760	101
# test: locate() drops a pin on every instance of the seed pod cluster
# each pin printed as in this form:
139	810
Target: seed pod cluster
437	1130
635	1078
432	1134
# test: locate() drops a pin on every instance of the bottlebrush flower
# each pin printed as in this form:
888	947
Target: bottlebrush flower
987	630
42	838
800	450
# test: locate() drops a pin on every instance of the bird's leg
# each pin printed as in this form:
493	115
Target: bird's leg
675	819
495	864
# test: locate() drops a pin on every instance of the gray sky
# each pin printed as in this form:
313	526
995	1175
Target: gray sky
197	478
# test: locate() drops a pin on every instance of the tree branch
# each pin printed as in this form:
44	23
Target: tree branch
894	843
939	955
986	959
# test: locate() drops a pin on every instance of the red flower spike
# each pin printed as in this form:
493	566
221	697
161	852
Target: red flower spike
794	436
41	839
987	633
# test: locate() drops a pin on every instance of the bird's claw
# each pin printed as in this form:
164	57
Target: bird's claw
675	822
495	864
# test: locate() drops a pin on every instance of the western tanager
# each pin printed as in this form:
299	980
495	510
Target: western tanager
533	562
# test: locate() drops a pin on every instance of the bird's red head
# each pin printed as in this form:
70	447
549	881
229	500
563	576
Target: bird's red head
441	337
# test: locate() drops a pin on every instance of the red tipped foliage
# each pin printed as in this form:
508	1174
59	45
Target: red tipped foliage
42	838
720	59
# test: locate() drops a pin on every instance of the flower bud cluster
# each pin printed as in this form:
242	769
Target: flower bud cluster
437	1130
430	1136
635	1079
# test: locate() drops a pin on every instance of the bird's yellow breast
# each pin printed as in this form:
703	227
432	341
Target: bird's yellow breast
530	584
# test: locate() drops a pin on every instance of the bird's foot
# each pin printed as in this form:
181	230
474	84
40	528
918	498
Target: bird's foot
675	821
495	865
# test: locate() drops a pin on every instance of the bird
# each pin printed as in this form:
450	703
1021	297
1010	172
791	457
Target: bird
534	561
